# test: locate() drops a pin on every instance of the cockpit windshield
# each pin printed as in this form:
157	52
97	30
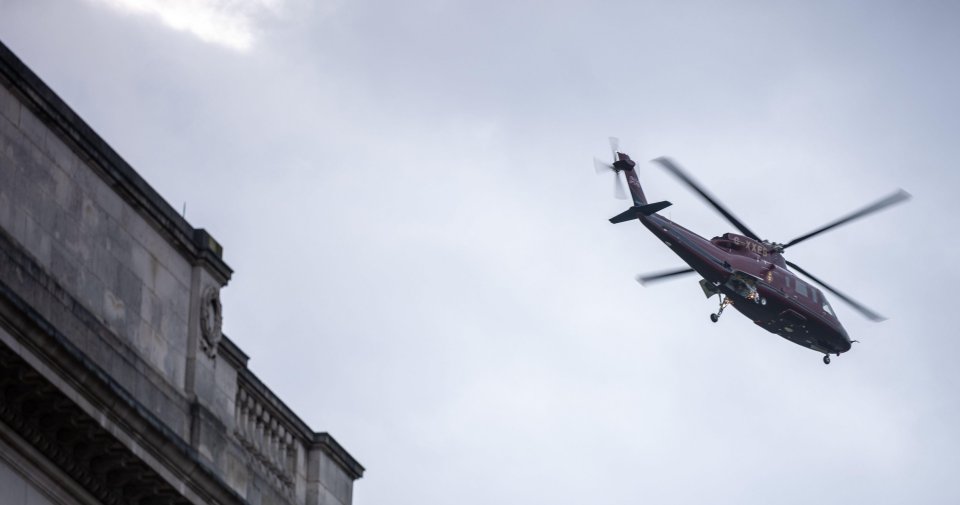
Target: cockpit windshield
827	308
726	244
740	244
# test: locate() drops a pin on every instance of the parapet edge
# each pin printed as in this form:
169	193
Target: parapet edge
196	244
251	383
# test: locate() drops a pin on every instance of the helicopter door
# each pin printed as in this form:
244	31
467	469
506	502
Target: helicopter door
744	285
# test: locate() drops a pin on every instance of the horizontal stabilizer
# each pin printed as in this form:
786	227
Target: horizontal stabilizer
640	210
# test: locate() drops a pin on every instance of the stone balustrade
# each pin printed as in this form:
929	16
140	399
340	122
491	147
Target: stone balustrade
261	430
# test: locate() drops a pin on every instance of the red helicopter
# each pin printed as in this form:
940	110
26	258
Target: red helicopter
746	271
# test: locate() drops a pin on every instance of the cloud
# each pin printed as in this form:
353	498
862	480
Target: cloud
229	23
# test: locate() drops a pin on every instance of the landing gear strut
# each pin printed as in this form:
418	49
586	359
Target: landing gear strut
723	303
826	359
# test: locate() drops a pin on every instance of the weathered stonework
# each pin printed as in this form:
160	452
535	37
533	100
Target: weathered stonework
211	321
117	384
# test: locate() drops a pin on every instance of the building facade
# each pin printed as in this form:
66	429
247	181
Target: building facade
117	385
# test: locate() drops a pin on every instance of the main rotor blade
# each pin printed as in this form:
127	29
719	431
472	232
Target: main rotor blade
869	314
659	276
675	170
895	198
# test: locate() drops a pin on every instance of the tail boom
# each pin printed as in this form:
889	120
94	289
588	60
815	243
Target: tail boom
640	206
628	167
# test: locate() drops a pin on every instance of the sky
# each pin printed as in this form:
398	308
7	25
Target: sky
423	262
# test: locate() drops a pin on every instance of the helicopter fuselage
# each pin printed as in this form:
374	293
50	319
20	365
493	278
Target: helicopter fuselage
756	281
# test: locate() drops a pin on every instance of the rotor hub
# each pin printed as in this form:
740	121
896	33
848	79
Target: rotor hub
774	247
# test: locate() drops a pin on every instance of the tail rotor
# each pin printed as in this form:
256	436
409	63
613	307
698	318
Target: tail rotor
614	147
602	167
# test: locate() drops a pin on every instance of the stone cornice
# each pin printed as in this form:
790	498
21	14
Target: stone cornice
325	442
53	419
196	244
232	353
152	451
61	394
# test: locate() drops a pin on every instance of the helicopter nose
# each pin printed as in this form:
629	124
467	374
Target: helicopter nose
843	344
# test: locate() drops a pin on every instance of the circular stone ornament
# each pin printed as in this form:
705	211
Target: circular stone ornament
211	321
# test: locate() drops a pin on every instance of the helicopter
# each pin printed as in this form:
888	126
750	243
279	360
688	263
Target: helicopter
742	269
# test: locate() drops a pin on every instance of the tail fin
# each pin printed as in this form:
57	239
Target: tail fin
640	206
627	166
639	210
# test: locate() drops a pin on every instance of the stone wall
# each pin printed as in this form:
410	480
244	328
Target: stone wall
95	260
97	248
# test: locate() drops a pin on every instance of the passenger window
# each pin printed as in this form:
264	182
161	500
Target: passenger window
801	288
827	309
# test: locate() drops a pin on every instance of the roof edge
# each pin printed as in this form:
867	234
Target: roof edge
197	245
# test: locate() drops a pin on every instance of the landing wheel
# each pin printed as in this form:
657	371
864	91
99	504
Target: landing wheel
723	303
826	359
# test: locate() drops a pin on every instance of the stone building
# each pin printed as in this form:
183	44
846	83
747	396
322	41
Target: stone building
117	385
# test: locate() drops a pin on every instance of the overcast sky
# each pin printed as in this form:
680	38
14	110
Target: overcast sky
423	263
